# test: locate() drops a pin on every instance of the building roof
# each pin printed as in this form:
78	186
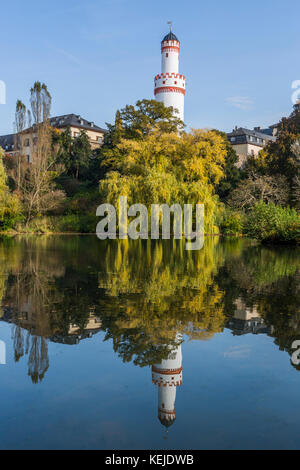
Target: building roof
7	142
170	37
74	120
243	131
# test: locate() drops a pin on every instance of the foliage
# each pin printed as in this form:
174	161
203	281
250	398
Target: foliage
270	223
136	122
9	204
35	181
167	168
232	174
74	153
232	222
281	158
259	188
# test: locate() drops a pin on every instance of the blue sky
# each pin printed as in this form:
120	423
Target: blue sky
240	58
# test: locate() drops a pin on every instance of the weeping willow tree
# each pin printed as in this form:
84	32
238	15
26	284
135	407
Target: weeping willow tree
167	168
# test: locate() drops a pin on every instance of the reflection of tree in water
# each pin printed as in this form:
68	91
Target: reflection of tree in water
38	363
155	290
146	293
36	300
267	281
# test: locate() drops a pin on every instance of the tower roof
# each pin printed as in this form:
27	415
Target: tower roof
167	422
170	37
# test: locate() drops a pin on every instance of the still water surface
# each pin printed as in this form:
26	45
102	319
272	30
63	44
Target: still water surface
132	345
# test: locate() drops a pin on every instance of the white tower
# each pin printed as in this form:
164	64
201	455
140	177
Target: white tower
170	85
168	376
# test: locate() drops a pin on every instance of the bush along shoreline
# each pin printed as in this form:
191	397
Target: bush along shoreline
267	223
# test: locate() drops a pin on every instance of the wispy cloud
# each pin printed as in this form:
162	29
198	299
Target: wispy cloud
238	352
69	56
241	102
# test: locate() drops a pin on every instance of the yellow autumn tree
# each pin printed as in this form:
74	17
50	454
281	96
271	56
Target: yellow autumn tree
167	168
9	204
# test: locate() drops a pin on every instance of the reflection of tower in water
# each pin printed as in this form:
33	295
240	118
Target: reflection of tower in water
168	376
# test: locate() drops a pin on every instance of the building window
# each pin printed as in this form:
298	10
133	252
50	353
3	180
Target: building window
28	159
167	55
99	139
27	143
233	139
175	83
76	134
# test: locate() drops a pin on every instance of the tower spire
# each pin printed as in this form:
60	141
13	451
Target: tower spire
170	23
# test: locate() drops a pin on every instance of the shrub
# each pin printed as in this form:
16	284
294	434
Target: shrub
271	223
232	222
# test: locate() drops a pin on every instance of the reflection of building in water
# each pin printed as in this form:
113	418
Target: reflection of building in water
32	331
39	325
247	320
168	376
75	334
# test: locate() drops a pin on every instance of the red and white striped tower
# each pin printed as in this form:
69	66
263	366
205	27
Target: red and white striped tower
168	376
170	85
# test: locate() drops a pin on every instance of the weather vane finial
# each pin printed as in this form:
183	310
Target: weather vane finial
171	25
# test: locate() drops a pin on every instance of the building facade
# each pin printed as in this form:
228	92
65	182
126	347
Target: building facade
74	122
170	85
248	143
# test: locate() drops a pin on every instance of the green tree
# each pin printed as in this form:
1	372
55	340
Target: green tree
232	174
136	122
9	204
282	157
79	157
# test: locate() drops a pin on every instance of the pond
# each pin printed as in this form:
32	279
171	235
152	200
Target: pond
144	345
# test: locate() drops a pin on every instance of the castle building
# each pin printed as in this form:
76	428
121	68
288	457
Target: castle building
170	85
248	143
168	376
74	122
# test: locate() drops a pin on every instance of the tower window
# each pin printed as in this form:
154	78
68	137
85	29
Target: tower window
175	83
167	55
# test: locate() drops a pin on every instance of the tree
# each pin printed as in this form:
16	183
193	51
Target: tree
167	168
37	186
80	154
20	125
296	191
136	122
9	204
232	173
282	157
258	188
